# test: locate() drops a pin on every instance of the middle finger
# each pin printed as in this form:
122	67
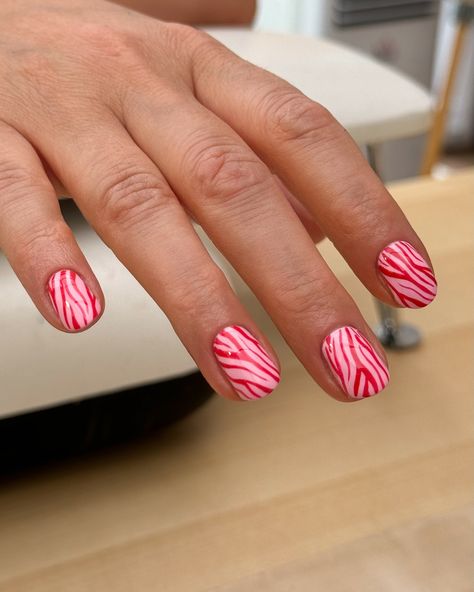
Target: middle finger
240	205
320	163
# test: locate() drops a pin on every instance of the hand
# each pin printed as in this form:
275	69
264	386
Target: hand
144	122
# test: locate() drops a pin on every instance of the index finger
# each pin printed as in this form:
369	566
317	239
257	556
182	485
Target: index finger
320	163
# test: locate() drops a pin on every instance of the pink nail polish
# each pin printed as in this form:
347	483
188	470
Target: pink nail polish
247	365
407	274
72	300
358	368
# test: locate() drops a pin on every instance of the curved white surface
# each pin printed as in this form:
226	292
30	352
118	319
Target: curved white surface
132	344
373	102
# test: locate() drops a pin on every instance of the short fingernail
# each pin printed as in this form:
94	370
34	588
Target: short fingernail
74	303
356	365
246	364
409	277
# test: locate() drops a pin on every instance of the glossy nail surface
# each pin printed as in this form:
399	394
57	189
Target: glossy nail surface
409	277
358	368
246	364
74	303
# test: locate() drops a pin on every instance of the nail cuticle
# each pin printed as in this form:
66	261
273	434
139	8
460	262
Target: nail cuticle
246	364
74	303
354	363
407	275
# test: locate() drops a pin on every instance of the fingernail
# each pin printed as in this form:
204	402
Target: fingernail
357	367
72	300
409	277
246	364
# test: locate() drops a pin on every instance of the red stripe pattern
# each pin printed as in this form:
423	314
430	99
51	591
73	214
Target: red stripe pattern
246	364
358	368
408	275
75	305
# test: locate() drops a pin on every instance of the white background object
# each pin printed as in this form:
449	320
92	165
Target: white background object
407	45
374	102
133	342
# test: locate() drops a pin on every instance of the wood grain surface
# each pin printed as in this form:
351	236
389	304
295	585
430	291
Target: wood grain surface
293	493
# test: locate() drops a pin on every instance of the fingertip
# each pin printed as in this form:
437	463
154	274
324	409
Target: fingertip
247	365
407	276
75	305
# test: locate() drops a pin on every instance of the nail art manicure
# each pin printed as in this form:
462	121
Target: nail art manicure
408	275
247	365
72	300
358	368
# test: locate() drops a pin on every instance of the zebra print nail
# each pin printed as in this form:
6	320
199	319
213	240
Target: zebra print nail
357	367
408	275
72	300
247	365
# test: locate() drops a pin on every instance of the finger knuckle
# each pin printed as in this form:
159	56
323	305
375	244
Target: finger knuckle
196	291
198	44
368	217
290	116
366	207
182	32
41	237
183	42
134	198
108	41
18	184
301	295
227	173
13	178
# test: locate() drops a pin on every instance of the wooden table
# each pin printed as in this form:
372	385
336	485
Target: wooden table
296	492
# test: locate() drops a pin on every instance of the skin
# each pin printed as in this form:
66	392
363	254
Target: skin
144	122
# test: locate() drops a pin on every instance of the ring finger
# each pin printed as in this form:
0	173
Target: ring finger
236	199
127	200
320	163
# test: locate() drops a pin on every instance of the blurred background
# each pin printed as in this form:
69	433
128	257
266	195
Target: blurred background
415	37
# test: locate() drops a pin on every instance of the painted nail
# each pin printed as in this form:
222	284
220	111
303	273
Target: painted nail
247	365
407	274
358	368
72	300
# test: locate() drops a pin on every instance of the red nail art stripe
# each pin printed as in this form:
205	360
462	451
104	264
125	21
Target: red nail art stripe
407	274
247	365
359	370
72	300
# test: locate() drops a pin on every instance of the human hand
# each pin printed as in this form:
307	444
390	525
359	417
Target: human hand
144	122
